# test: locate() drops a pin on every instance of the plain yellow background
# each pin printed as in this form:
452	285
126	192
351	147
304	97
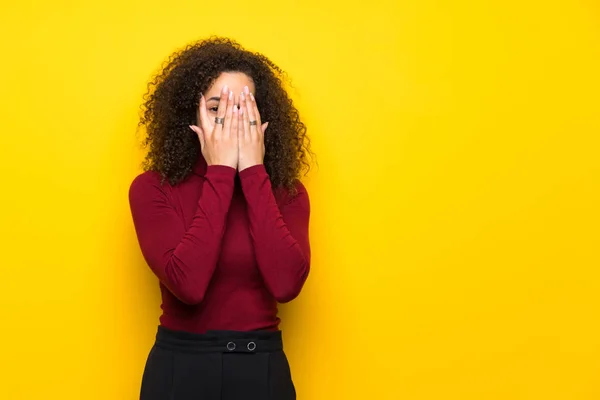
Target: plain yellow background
455	207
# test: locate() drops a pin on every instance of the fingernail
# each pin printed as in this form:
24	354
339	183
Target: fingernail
225	89
192	128
242	96
251	96
246	89
230	95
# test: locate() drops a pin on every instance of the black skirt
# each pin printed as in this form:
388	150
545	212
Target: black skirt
217	365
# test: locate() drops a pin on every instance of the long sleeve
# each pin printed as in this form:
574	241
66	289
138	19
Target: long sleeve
280	237
183	260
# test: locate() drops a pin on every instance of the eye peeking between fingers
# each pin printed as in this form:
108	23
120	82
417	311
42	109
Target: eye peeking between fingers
212	105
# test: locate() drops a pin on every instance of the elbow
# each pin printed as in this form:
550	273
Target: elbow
187	288
286	296
188	292
291	288
189	297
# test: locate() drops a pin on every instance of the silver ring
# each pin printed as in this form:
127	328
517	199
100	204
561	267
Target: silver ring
219	120
252	123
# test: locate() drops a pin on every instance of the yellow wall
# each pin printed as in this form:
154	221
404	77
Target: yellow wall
455	220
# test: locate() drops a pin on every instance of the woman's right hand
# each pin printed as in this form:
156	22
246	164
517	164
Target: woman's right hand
219	142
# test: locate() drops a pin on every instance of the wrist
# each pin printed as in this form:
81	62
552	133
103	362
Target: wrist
248	162
252	170
243	166
222	164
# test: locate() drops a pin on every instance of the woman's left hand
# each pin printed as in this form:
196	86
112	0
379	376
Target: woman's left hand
251	136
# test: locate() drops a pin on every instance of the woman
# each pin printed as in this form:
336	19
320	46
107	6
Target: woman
222	220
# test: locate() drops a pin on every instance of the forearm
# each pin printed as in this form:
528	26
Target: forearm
281	246
185	260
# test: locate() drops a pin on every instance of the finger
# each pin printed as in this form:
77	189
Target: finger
255	108
240	124
250	110
228	115
200	132
245	119
202	116
222	109
235	121
264	127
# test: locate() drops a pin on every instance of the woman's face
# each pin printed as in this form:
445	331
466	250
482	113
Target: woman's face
235	82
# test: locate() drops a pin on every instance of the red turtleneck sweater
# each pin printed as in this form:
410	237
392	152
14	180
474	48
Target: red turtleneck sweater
223	245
